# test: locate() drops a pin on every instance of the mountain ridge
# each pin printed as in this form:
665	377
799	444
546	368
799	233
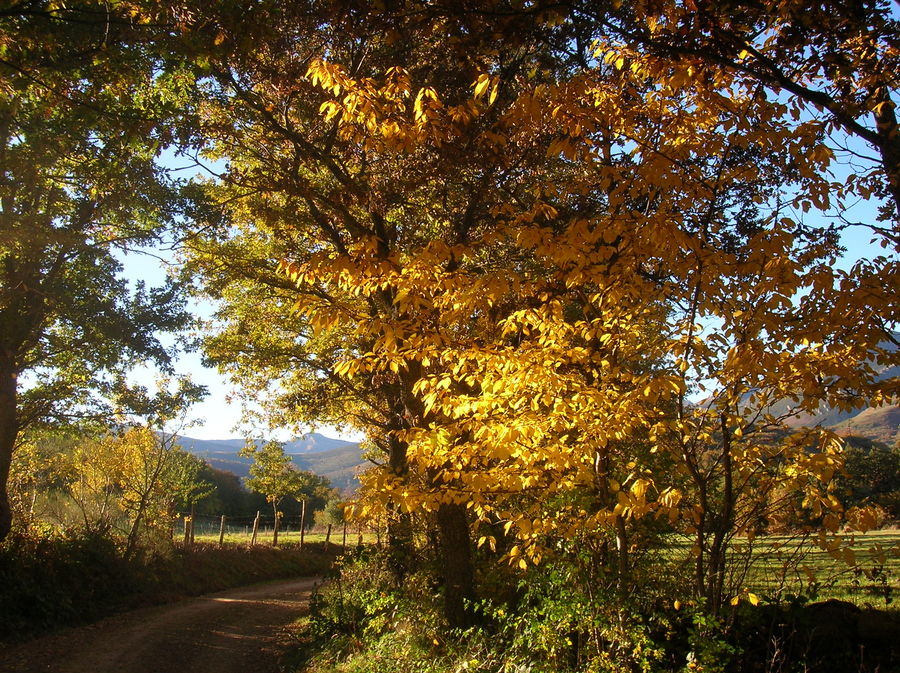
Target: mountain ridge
338	460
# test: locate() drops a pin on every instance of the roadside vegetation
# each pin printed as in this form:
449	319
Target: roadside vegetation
54	578
589	276
98	521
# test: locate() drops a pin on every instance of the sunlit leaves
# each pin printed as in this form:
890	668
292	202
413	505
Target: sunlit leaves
588	295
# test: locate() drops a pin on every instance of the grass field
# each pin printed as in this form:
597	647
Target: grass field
779	567
773	567
784	566
243	536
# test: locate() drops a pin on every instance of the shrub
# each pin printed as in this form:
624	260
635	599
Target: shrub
52	577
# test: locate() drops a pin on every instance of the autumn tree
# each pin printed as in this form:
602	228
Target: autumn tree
273	475
833	64
352	205
81	101
39	469
555	263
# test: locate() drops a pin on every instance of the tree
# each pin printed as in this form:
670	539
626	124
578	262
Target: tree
38	470
871	475
535	252
273	475
350	205
81	107
834	63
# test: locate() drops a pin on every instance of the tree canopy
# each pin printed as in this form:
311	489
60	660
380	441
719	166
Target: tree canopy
575	274
572	267
83	104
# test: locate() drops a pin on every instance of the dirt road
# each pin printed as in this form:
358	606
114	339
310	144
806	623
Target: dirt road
236	631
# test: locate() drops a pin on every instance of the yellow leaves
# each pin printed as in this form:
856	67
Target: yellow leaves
483	84
659	388
329	76
539	344
378	115
427	104
490	540
329	110
747	595
639	488
862	519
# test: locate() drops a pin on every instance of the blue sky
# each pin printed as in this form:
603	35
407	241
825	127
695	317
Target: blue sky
218	418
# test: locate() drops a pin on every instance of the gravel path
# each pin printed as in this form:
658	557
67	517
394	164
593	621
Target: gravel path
235	631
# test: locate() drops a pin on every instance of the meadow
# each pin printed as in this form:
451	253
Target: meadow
774	568
784	567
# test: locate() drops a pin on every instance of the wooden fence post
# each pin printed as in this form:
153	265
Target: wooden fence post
302	521
222	531
344	539
187	530
193	516
255	528
327	537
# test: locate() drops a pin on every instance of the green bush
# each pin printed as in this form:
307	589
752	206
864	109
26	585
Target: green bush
54	577
558	617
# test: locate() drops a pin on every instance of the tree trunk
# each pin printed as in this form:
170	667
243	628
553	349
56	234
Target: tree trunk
302	521
456	565
400	535
622	563
9	431
889	143
275	526
722	527
255	529
131	545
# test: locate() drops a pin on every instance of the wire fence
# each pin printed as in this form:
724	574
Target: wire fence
260	529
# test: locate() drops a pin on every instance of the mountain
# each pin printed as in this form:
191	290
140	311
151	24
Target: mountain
340	465
881	424
338	460
311	443
878	423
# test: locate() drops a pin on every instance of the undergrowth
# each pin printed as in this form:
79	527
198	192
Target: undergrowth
58	577
570	617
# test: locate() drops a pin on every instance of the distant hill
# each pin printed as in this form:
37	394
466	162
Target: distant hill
337	460
340	465
878	423
311	443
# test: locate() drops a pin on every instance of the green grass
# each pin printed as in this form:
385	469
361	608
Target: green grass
784	566
779	567
239	536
